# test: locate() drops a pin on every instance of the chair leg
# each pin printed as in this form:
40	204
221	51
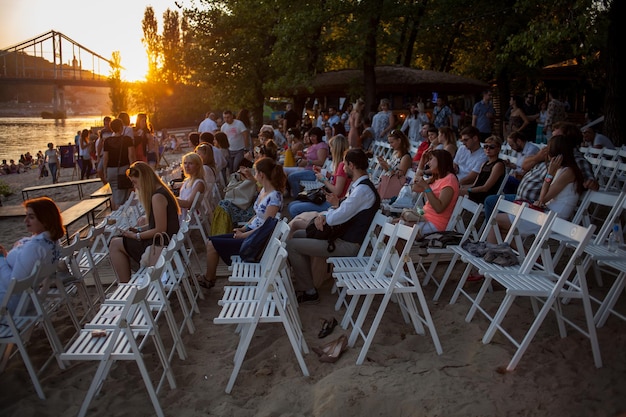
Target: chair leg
374	327
446	276
497	319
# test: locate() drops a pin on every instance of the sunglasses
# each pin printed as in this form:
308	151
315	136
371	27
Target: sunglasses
490	147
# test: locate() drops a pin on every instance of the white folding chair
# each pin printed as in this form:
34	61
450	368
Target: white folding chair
197	218
18	320
549	289
464	220
268	302
526	258
122	342
393	277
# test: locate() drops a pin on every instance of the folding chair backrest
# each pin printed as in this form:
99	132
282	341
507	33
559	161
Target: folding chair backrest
372	233
491	224
466	208
599	207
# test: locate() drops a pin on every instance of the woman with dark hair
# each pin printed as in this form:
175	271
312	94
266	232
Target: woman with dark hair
161	216
518	120
43	222
85	155
268	204
441	192
560	189
315	154
491	172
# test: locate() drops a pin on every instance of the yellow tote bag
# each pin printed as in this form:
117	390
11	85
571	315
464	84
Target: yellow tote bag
289	161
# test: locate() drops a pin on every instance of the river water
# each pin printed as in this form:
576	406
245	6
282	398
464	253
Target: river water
19	135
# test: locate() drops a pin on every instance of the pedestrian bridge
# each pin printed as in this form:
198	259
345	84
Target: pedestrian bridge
53	59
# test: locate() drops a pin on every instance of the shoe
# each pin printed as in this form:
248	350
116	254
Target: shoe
327	328
332	351
305	298
205	283
475	277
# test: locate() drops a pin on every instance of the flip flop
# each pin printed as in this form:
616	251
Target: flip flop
327	328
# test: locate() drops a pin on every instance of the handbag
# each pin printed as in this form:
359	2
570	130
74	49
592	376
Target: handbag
316	196
240	192
390	185
123	182
151	255
254	245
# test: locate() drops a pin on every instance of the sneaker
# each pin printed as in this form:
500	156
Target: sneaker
305	298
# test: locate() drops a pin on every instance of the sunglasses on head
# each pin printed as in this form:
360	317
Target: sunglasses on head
489	146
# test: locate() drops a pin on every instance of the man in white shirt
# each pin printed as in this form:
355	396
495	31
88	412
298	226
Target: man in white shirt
355	214
208	124
597	140
238	139
470	157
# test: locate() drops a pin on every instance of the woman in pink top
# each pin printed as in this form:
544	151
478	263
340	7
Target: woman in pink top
441	192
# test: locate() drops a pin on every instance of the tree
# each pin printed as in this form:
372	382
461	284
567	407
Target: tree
152	42
118	92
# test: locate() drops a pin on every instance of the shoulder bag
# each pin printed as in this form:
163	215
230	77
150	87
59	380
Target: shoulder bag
151	254
240	192
254	245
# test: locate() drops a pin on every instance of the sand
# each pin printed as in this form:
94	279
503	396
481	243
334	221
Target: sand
402	375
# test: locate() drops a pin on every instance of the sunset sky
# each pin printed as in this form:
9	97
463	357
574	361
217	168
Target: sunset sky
103	27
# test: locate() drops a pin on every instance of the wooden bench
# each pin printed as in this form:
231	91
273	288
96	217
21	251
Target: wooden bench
79	184
81	209
19	210
104	191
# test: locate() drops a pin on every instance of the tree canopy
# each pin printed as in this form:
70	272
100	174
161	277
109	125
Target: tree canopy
240	52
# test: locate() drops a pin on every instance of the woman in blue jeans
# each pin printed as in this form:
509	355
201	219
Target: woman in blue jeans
314	155
337	184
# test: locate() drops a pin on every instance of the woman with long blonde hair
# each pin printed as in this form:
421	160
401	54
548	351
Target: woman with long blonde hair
194	182
161	216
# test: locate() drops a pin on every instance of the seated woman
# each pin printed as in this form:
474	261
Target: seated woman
491	173
268	204
394	176
560	190
315	154
447	138
337	184
43	222
441	192
161	216
212	176
433	139
194	182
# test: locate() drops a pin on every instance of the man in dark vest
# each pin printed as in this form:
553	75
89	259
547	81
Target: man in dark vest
357	210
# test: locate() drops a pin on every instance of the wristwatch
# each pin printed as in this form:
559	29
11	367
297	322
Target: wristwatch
138	237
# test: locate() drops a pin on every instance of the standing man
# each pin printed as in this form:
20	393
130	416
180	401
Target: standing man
556	113
238	139
482	115
208	124
290	119
531	110
442	115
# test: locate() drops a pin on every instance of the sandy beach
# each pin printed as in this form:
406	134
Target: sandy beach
402	375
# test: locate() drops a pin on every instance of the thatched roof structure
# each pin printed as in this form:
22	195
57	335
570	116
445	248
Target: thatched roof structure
396	79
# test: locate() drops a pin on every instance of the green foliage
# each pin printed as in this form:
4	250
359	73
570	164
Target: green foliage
5	189
118	92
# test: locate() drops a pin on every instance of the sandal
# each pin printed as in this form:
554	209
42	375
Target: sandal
205	283
327	328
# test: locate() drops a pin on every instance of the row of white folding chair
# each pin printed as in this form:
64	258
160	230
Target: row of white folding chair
522	214
395	277
21	310
124	216
267	302
315	184
123	339
548	288
197	216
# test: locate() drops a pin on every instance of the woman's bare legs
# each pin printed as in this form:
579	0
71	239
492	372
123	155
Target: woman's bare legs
119	259
212	258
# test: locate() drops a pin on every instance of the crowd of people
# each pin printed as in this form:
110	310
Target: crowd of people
449	160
